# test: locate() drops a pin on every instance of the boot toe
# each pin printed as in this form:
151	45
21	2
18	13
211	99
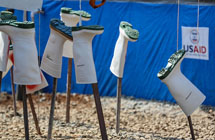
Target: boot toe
131	34
172	62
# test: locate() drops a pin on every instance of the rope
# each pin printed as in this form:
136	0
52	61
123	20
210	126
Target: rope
198	23
39	38
80	21
178	22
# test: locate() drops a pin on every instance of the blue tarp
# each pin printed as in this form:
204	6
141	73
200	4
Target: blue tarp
157	24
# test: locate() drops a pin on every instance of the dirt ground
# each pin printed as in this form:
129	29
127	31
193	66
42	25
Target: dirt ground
140	119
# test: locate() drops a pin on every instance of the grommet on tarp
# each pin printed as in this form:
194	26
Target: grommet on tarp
93	3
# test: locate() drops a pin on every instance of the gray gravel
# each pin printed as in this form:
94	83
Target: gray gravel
140	119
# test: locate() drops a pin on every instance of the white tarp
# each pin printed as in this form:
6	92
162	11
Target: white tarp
27	5
195	42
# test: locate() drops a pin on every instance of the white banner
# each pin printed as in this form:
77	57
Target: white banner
27	5
195	42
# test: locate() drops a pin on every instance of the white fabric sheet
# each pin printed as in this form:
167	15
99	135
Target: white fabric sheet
27	5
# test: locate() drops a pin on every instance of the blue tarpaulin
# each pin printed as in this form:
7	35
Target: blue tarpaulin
157	24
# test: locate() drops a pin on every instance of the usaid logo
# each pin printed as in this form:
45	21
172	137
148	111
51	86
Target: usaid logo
194	36
195	42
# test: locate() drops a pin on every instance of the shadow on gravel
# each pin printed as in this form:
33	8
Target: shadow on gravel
168	138
64	137
207	109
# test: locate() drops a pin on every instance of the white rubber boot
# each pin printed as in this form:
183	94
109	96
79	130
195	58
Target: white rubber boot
5	40
118	61
187	95
83	55
29	88
71	18
4	51
26	68
52	57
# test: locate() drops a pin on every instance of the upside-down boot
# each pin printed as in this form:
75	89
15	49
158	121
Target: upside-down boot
83	55
8	63
118	60
5	40
29	88
187	95
26	68
84	65
4	45
71	18
52	57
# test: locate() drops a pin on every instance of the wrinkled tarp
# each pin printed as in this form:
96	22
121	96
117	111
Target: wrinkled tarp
157	24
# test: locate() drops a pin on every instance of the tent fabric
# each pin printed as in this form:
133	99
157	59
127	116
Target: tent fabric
157	24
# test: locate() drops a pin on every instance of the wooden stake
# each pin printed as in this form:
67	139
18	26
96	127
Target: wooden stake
51	117
119	93
13	91
25	111
34	113
99	111
69	81
19	93
191	127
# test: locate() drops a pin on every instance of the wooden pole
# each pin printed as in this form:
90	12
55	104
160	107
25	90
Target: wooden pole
99	111
13	91
19	93
51	117
34	113
191	127
69	81
119	93
25	111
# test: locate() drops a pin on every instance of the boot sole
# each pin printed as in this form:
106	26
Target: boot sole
62	33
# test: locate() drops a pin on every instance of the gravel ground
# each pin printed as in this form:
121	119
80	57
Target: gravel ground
140	119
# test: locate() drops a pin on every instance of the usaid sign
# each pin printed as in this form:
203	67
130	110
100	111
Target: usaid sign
195	42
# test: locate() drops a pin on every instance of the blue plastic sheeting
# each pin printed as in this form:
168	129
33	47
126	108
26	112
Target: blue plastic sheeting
157	24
